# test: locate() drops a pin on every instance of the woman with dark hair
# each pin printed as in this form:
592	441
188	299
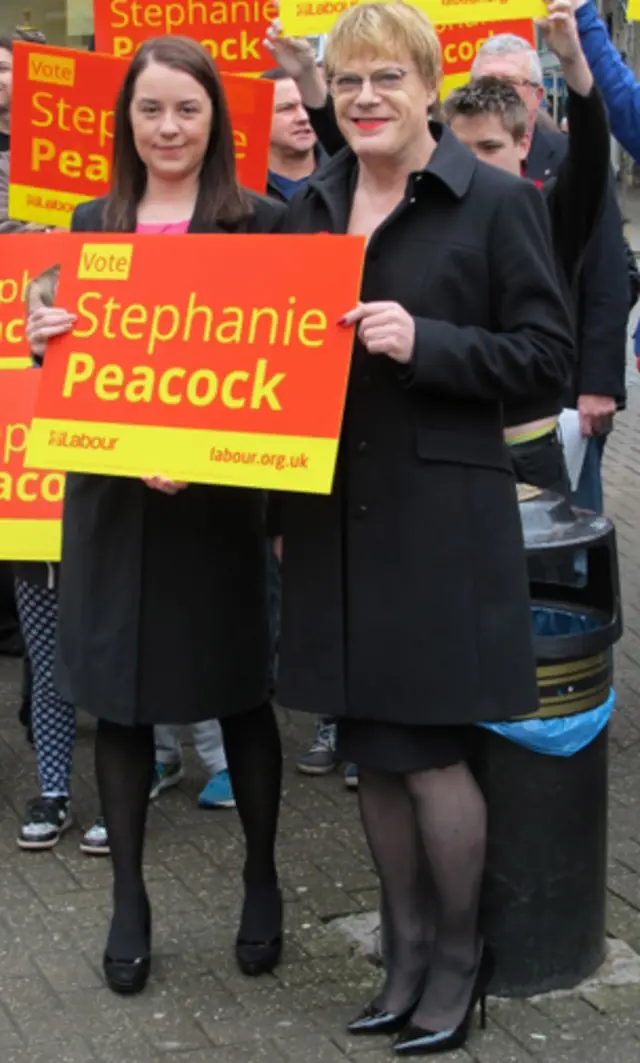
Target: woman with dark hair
163	612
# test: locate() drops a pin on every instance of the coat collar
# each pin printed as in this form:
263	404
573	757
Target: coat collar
546	152
451	165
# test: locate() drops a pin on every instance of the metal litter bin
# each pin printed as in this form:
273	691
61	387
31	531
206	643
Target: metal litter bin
543	908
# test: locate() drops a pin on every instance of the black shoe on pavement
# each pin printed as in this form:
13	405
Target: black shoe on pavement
46	819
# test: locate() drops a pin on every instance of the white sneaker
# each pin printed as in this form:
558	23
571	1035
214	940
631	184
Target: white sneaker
95	841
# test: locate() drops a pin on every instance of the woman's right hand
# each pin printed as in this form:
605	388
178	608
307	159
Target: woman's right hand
45	322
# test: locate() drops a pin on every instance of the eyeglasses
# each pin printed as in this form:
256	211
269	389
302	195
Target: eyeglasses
381	82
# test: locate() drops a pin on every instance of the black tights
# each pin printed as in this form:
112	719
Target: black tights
426	832
125	759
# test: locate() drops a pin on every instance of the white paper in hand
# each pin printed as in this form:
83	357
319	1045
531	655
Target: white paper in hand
574	444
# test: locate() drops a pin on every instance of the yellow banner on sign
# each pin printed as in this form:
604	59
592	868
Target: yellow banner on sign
30	540
633	11
302	18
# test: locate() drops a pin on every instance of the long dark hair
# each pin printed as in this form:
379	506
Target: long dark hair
220	198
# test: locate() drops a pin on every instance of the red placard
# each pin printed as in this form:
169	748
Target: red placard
230	367
460	45
30	500
62	134
24	256
231	30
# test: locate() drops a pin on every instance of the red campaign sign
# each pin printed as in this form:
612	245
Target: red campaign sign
30	499
231	30
62	135
460	45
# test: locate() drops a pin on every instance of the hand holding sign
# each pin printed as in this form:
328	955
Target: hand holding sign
160	483
384	328
560	32
295	55
44	323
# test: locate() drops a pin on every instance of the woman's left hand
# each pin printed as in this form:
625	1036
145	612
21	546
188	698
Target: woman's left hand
384	328
159	483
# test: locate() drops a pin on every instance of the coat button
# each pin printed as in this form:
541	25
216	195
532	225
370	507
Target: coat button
363	446
362	510
366	380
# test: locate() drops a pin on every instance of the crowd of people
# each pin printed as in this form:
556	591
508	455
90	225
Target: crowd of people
395	610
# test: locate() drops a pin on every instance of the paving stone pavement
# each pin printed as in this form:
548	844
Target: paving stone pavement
197	1008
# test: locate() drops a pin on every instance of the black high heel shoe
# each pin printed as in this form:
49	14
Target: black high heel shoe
128	977
414	1041
375	1020
260	957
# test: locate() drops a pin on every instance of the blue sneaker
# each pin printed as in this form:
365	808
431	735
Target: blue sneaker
351	777
165	776
218	793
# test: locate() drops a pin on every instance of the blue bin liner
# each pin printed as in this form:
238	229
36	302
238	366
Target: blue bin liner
563	736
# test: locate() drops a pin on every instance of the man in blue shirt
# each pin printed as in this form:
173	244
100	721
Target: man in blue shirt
294	152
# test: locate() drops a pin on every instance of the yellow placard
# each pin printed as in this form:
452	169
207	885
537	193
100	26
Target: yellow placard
633	11
30	540
30	499
302	18
15	363
230	458
451	82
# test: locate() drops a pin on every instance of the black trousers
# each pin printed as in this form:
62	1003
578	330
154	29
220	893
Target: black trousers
540	462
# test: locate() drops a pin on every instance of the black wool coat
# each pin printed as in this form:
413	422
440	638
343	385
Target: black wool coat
405	595
162	600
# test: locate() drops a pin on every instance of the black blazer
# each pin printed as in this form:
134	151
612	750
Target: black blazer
405	595
603	299
147	578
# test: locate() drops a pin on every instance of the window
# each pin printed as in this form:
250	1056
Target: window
64	22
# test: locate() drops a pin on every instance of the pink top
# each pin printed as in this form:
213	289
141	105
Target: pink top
172	227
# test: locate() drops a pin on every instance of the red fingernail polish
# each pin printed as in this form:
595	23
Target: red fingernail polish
341	321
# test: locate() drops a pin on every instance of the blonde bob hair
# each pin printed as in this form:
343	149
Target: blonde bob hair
385	31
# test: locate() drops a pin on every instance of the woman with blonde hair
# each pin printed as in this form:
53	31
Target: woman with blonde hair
405	599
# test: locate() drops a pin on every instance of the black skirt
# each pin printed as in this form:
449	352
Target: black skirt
402	748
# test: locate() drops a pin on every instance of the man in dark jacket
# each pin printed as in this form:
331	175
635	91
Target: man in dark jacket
602	296
294	151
